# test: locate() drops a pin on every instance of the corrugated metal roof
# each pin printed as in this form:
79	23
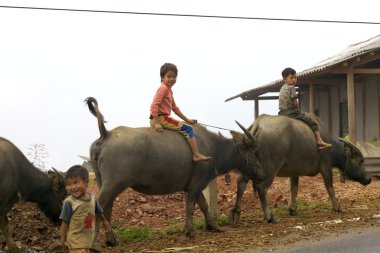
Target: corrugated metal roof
350	52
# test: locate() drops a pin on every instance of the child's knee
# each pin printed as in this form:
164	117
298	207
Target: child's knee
314	127
312	124
188	130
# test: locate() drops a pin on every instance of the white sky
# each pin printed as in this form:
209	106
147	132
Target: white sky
51	61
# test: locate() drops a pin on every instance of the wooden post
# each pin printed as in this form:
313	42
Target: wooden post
329	109
351	104
311	99
364	99
256	108
210	194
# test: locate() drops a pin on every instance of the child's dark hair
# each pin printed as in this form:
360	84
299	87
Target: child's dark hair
77	171
166	68
288	71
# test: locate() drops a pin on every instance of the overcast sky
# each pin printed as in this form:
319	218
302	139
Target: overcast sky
51	61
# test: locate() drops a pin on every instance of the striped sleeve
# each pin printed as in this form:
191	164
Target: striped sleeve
160	94
175	108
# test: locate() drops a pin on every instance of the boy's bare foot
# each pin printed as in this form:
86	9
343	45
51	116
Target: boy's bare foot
200	157
323	145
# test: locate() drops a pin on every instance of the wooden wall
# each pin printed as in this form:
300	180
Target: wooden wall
372	108
367	97
335	103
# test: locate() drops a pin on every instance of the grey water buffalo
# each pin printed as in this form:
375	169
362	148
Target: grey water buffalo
161	163
288	148
20	180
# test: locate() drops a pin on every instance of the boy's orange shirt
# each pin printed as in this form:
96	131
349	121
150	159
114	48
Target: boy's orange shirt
163	102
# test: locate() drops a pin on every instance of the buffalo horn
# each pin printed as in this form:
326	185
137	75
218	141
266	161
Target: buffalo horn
351	145
59	174
250	136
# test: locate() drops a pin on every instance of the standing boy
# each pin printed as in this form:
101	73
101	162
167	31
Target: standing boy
78	213
289	105
162	105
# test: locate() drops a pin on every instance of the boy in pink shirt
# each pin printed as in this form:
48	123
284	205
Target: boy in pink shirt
162	105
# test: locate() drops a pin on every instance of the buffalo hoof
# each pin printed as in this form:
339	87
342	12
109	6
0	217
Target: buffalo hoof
110	239
340	210
13	249
292	212
190	234
214	228
234	218
337	208
272	219
96	248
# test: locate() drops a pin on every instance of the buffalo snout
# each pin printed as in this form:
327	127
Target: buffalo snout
367	180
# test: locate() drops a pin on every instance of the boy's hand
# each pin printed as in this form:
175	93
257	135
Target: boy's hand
158	127
107	227
192	121
295	102
66	244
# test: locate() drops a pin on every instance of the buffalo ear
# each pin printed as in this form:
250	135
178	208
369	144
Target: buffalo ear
55	179
240	139
60	176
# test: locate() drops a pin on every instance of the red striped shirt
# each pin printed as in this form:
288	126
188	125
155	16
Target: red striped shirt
163	101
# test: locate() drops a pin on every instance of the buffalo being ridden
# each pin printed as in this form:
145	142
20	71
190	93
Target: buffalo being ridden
20	180
288	148
161	163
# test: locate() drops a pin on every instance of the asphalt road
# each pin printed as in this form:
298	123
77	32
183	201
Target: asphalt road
367	241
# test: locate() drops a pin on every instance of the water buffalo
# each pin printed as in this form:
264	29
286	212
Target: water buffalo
287	148
20	180
161	163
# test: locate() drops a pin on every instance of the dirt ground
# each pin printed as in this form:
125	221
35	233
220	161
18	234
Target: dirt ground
34	233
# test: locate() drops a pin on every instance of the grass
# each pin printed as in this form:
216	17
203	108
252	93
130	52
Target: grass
222	220
173	229
280	211
302	206
145	233
251	217
336	171
199	223
306	211
138	234
373	203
